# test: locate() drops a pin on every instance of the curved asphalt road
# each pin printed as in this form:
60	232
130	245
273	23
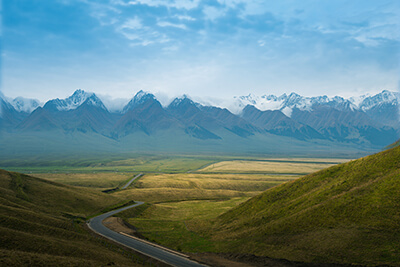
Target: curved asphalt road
130	182
162	255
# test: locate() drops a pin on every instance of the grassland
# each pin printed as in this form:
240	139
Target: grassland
182	206
130	163
276	166
348	213
158	188
185	196
101	181
172	224
42	224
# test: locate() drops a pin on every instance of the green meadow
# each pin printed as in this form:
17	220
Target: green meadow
42	223
300	209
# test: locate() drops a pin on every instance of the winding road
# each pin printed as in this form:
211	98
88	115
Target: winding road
130	181
96	225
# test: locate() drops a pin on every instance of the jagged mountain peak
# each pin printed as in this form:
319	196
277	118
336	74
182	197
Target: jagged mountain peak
294	100
138	99
184	100
78	98
385	97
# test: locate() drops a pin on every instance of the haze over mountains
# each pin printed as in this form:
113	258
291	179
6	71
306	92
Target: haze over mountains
262	124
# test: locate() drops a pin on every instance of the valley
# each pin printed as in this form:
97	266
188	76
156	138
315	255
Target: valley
181	202
188	133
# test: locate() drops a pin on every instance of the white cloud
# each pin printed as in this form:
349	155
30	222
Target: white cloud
212	13
184	17
141	35
113	104
179	4
132	24
169	24
261	43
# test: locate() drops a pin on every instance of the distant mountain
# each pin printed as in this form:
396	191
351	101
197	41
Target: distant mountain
138	99
26	105
295	101
231	122
80	112
9	116
371	119
274	121
345	125
383	107
77	99
210	118
196	121
368	122
144	113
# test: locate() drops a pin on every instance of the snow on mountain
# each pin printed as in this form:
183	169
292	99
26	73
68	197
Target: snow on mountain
179	100
286	103
265	102
385	97
138	99
27	105
77	99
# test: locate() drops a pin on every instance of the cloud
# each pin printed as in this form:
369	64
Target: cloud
184	17
141	35
213	13
132	24
169	24
178	4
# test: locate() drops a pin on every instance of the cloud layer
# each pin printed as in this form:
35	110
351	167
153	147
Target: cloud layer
219	47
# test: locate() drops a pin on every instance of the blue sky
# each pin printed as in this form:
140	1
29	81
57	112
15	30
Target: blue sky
204	48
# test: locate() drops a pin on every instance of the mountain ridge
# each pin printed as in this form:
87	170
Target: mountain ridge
318	119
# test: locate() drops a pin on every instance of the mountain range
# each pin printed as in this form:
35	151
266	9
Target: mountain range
367	122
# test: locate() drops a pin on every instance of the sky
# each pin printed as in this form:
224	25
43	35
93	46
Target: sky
203	48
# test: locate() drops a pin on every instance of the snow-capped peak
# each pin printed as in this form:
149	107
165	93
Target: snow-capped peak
385	97
179	100
138	99
75	100
22	104
265	102
289	102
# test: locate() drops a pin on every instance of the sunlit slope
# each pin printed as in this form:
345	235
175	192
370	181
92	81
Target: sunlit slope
41	224
397	143
349	213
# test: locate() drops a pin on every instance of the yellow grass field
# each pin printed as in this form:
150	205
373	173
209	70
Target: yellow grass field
188	186
285	166
100	180
183	204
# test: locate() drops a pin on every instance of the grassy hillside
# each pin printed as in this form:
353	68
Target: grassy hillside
349	213
397	143
42	224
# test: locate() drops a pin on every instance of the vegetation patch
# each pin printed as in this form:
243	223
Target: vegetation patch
49	229
176	224
348	213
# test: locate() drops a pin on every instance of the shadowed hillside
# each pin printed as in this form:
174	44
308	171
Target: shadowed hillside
41	224
349	213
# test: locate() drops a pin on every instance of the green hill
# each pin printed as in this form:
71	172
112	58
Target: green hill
42	224
397	143
349	213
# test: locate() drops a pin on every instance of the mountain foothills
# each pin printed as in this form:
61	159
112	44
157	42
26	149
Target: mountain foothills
43	224
267	124
348	213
